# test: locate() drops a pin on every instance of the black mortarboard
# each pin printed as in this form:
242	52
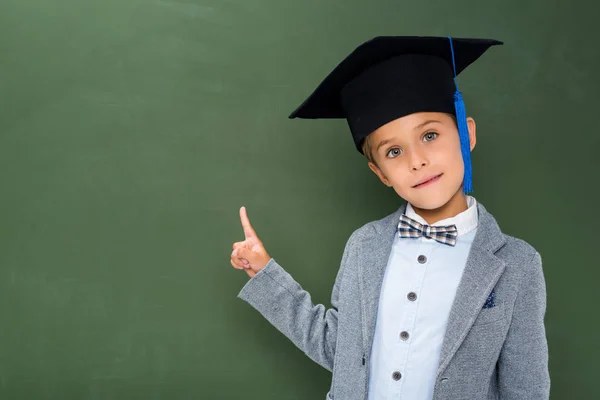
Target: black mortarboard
389	77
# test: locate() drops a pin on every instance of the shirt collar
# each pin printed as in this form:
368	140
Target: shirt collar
465	221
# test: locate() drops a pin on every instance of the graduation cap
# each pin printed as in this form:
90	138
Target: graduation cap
389	77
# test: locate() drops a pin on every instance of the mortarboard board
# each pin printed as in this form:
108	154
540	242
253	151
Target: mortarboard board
389	77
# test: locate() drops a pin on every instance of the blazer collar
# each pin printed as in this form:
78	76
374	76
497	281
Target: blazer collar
482	271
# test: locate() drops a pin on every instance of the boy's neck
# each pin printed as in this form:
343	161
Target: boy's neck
454	206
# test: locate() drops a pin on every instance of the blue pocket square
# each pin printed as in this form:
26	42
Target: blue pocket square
489	303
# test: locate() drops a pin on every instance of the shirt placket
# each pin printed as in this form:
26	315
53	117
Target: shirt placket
406	326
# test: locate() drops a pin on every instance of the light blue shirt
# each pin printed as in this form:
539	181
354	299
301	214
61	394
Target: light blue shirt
417	292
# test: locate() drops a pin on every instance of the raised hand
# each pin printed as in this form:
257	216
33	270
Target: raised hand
250	254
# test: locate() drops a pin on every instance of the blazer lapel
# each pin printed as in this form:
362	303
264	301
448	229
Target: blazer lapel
482	271
373	258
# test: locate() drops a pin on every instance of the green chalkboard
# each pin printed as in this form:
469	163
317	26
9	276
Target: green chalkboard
131	131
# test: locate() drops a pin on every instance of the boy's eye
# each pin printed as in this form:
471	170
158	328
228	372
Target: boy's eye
429	136
394	152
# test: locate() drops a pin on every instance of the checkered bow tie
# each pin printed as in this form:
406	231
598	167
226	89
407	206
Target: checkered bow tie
409	228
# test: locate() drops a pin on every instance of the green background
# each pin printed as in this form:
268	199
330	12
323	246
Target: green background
131	131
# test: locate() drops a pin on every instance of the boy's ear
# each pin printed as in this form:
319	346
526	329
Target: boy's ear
472	132
379	174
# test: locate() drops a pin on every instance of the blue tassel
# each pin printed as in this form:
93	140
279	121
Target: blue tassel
463	131
465	145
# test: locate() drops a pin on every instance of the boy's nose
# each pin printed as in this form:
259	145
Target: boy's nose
417	160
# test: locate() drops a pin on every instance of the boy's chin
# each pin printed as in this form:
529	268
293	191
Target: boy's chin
429	203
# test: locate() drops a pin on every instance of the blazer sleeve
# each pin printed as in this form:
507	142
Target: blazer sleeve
523	362
288	307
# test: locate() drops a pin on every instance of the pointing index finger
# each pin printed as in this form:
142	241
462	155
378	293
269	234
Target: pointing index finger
248	231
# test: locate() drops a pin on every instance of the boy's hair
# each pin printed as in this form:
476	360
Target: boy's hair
366	149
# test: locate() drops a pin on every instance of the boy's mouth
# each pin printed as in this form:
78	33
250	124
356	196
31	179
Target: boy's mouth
428	181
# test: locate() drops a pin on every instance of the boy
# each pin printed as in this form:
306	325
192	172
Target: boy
432	301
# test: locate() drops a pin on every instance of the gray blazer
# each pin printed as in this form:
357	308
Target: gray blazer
487	353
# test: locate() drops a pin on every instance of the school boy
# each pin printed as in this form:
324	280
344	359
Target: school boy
432	301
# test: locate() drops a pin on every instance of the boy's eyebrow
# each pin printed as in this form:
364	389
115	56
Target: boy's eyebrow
382	143
421	125
430	121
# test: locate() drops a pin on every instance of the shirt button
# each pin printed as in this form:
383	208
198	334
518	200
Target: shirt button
422	259
404	335
412	296
396	376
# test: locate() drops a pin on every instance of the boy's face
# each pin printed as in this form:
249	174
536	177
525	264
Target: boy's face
419	156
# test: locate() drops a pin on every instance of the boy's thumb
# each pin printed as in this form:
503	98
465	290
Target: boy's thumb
244	253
